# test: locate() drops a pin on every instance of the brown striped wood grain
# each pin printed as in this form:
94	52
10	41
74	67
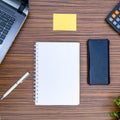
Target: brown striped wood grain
96	101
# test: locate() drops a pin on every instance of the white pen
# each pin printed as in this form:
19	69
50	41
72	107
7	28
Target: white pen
15	85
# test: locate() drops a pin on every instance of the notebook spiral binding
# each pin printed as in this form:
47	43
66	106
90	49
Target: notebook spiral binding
36	74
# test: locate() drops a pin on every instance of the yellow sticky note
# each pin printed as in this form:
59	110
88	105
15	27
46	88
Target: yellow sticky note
65	22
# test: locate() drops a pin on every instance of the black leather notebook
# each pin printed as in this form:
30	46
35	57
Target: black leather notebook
98	62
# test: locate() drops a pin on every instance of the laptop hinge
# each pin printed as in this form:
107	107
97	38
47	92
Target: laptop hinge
21	8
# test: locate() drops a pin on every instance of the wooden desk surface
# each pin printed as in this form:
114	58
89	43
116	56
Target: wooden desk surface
96	101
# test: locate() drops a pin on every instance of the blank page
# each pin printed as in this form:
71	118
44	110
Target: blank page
57	73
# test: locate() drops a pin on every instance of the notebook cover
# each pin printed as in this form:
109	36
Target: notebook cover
98	62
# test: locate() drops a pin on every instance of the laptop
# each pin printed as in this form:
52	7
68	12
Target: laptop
13	14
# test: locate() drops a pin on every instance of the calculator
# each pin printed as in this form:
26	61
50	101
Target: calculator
113	18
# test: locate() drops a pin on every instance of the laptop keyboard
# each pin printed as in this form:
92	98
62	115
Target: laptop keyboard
6	22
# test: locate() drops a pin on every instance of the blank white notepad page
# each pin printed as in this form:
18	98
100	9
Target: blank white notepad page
57	73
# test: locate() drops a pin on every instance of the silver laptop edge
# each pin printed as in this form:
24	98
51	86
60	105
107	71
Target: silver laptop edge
21	13
16	4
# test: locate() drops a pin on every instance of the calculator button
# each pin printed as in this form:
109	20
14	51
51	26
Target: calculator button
117	12
113	18
118	26
118	19
114	23
110	19
113	15
119	8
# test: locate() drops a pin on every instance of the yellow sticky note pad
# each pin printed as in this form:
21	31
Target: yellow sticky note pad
65	22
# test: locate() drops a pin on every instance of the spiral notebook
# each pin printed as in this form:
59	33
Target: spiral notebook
57	73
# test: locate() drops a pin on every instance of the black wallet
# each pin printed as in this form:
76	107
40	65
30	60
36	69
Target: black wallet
98	62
